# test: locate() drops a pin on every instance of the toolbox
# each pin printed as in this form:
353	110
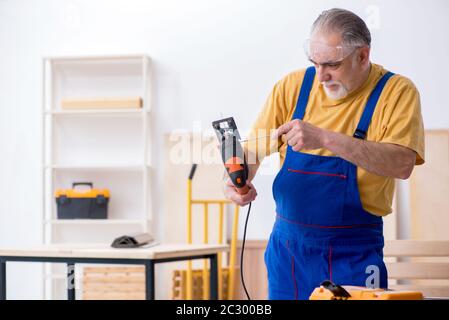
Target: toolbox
82	204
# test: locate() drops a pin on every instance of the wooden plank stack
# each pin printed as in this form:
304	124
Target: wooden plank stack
114	283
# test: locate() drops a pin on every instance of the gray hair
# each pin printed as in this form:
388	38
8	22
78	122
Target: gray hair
354	31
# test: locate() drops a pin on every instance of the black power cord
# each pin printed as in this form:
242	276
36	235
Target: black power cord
243	249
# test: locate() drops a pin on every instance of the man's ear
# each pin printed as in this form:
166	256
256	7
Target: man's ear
363	56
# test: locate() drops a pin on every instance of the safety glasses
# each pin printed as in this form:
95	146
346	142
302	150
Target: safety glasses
321	54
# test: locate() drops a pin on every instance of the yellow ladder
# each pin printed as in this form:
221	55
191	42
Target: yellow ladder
231	273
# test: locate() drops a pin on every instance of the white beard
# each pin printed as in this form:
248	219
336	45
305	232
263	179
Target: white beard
340	93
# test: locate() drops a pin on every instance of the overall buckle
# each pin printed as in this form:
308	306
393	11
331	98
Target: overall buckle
359	134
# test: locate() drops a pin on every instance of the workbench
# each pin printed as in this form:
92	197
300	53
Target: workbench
104	254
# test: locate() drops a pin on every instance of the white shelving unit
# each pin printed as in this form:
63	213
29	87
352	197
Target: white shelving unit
108	147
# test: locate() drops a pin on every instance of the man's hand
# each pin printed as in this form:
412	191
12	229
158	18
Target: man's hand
301	135
242	200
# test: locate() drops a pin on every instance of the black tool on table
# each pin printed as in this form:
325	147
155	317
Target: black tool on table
133	241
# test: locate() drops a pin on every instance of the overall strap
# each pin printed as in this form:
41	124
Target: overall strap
365	120
304	93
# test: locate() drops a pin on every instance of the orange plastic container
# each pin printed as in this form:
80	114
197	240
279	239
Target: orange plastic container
363	293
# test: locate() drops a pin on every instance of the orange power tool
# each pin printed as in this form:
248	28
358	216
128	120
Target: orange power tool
232	153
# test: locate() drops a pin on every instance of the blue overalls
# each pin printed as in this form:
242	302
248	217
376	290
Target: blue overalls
322	231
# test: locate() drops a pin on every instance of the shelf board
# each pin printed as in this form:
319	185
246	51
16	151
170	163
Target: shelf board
100	58
102	112
98	168
95	221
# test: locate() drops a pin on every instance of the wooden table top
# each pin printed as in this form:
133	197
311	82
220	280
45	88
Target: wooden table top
158	251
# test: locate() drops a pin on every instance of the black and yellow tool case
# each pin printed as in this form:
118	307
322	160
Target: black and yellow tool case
82	204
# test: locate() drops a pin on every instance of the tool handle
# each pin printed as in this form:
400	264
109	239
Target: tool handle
89	184
243	190
192	171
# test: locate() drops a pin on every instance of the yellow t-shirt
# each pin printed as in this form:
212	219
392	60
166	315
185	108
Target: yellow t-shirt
397	119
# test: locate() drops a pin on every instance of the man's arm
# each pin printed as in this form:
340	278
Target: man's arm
384	159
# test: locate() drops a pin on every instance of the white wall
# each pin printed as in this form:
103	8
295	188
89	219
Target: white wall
211	58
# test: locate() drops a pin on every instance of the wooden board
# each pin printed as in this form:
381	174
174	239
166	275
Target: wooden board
162	251
113	283
102	103
416	248
429	190
423	265
181	149
418	270
254	271
427	290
